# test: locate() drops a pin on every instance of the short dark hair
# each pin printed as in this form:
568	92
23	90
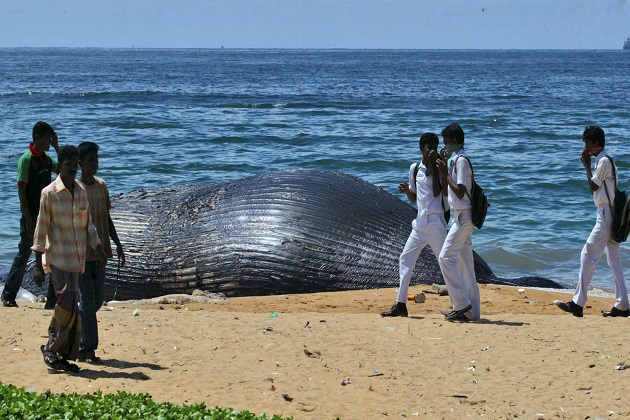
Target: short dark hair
40	128
594	133
67	152
454	131
429	138
86	148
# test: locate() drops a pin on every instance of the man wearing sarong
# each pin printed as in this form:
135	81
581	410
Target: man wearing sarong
64	229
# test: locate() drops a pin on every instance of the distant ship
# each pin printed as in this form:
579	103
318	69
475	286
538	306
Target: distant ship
626	45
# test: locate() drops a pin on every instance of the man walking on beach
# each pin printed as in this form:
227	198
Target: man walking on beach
456	258
92	280
429	226
602	184
63	231
35	169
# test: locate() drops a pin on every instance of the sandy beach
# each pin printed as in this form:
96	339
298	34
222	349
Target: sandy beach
328	355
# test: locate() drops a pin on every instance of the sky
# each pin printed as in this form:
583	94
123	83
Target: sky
372	24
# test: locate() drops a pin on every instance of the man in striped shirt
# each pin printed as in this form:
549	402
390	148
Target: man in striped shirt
64	229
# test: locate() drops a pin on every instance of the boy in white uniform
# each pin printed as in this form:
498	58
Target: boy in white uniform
599	240
456	258
429	226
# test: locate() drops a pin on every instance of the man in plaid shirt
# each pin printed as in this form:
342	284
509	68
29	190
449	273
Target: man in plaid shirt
64	229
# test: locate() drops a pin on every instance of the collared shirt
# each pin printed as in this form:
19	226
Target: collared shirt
459	170
427	203
64	228
98	197
603	173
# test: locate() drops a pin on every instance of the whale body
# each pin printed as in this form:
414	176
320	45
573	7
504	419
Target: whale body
294	231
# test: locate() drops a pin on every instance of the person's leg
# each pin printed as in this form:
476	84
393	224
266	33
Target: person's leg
87	309
613	257
471	280
16	273
99	286
451	262
407	262
591	253
436	235
51	295
64	331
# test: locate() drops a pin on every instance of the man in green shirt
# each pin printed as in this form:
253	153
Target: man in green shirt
35	169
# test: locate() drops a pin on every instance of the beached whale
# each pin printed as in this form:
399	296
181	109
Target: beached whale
295	231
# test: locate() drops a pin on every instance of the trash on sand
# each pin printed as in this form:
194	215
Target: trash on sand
622	367
287	397
307	324
135	312
346	381
274	315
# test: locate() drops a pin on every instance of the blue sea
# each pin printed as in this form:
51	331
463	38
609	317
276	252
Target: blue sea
172	116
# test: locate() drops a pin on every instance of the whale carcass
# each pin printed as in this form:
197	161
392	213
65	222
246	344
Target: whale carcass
295	231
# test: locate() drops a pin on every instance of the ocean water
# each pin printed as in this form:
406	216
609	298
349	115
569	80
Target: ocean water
202	116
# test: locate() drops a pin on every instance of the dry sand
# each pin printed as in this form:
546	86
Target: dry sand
524	359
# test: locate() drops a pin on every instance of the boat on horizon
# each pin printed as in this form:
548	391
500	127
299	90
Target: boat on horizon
626	44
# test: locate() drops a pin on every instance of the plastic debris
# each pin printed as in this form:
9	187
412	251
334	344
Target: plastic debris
622	367
346	381
274	315
307	324
136	312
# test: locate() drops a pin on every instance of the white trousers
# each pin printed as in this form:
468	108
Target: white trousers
420	236
598	242
457	265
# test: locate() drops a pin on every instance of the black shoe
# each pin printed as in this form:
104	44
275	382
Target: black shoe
9	303
399	309
617	312
460	318
454	314
571	307
89	357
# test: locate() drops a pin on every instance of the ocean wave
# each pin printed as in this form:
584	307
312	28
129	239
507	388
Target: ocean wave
246	105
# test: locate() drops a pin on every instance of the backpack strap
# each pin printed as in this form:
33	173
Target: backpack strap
610	204
613	169
472	173
415	173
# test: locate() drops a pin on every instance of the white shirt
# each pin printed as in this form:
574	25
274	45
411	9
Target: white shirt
427	203
603	173
459	170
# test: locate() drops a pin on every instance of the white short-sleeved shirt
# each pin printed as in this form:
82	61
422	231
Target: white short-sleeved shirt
603	173
427	203
460	172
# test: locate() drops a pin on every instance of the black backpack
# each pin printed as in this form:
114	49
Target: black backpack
478	199
620	210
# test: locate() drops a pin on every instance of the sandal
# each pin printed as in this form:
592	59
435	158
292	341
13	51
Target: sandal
50	359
